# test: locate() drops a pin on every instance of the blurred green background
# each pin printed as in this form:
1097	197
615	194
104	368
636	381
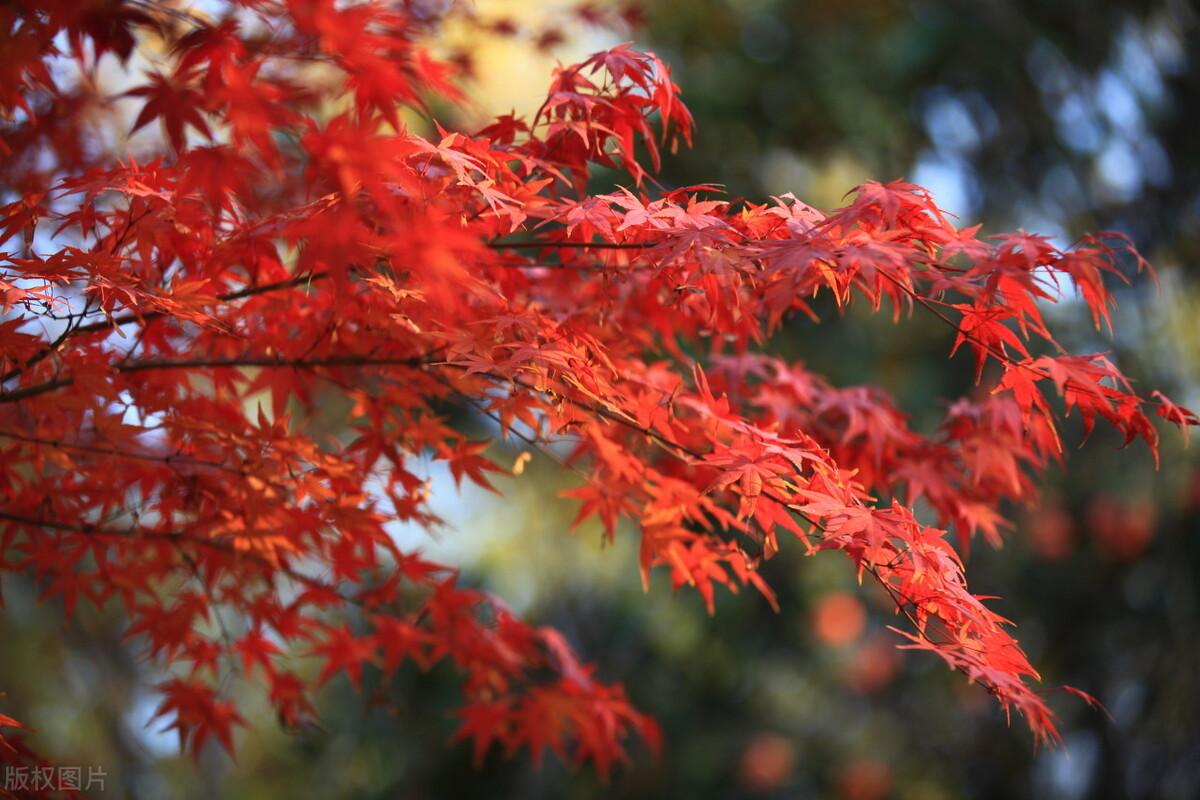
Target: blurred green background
1059	116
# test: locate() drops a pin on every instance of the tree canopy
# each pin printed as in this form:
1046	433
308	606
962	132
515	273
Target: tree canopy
228	368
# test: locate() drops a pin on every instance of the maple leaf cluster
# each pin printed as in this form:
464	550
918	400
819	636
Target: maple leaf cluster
172	327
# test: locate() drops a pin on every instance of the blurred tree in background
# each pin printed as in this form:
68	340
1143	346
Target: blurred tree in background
1059	117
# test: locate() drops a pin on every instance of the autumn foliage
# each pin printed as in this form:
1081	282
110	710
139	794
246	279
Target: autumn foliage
172	327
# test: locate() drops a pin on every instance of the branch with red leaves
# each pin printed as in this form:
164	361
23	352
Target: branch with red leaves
188	313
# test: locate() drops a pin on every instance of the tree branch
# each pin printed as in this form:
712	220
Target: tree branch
133	316
223	363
